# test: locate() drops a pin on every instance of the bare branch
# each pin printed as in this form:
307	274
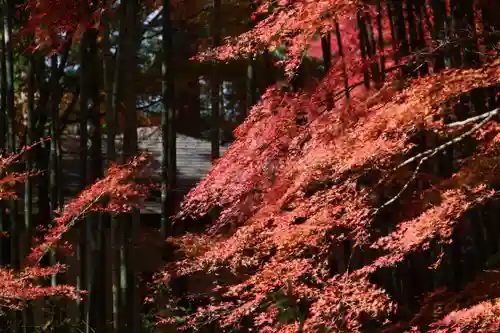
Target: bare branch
487	115
432	152
473	119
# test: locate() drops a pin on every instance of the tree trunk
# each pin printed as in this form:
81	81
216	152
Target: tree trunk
169	163
11	141
3	137
399	29
421	13
11	124
380	40
326	49
28	185
41	152
465	29
130	46
252	95
55	148
111	268
82	281
371	50
341	55
439	33
54	171
215	84
96	254
117	240
363	41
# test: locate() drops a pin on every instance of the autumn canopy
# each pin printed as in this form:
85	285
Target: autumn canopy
365	201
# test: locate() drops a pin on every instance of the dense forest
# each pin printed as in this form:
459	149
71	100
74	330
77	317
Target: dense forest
249	166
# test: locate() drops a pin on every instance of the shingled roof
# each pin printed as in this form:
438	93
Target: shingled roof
193	161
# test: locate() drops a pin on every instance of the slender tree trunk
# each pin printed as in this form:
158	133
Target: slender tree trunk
252	93
465	30
391	17
14	234
95	253
54	171
326	48
28	185
30	139
341	55
9	72
400	38
117	238
421	13
110	111
112	267
400	28
363	40
371	50
55	148
130	149
440	32
414	42
251	96
3	136
82	252
215	84
169	163
41	152
380	40
11	124
412	27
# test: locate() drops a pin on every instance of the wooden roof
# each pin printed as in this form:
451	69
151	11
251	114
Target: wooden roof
193	161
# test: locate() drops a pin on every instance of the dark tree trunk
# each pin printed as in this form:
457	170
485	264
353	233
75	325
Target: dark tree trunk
251	85
11	124
341	55
440	32
54	171
371	48
168	119
3	136
95	232
400	39
326	49
215	84
363	41
117	238
132	302
109	272
82	251
465	31
380	40
41	152
30	139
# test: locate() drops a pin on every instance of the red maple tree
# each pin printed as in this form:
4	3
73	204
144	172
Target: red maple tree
327	219
117	192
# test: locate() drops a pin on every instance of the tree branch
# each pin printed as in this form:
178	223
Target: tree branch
473	119
432	152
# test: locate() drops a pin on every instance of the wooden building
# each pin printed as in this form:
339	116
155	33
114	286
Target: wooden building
193	162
